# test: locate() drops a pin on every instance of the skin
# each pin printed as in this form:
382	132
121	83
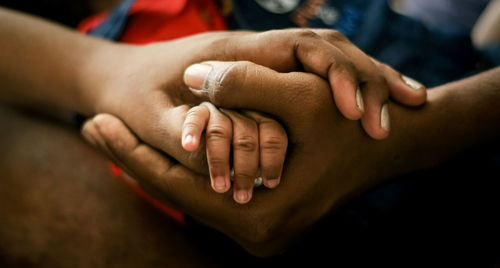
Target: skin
143	85
60	234
457	117
255	238
259	144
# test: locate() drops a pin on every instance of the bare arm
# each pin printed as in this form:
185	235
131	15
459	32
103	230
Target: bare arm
458	116
485	31
44	64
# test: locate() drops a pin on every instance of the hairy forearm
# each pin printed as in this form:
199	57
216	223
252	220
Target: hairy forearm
457	117
46	65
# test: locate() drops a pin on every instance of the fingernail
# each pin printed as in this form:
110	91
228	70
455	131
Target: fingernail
241	196
385	122
188	139
412	83
272	183
196	74
219	183
359	100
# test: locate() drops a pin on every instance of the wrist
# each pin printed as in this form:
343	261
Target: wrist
458	116
99	75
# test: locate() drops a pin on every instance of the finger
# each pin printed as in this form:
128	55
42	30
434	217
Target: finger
273	143
160	125
194	124
245	85
376	120
218	142
324	59
290	50
403	89
128	151
245	155
320	57
91	134
171	183
375	89
91	131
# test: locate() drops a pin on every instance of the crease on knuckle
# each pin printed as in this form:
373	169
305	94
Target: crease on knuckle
217	132
193	113
273	144
217	161
305	33
305	40
336	36
221	83
191	125
245	143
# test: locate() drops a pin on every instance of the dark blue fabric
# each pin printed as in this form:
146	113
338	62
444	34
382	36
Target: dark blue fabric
491	54
113	27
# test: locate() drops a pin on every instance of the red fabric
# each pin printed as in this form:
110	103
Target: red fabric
161	20
174	214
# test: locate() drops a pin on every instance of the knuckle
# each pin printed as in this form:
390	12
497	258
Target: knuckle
334	35
221	48
217	131
305	33
380	80
345	65
216	161
273	144
193	112
222	83
245	143
381	86
191	125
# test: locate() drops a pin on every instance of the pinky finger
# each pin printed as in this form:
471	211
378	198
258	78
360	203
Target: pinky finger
403	89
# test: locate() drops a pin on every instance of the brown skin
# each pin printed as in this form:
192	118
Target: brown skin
61	229
324	168
143	84
257	228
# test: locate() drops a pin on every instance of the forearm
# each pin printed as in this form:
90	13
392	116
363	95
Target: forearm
44	64
457	117
485	31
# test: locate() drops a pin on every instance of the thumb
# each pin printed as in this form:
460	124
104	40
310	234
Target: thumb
246	85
